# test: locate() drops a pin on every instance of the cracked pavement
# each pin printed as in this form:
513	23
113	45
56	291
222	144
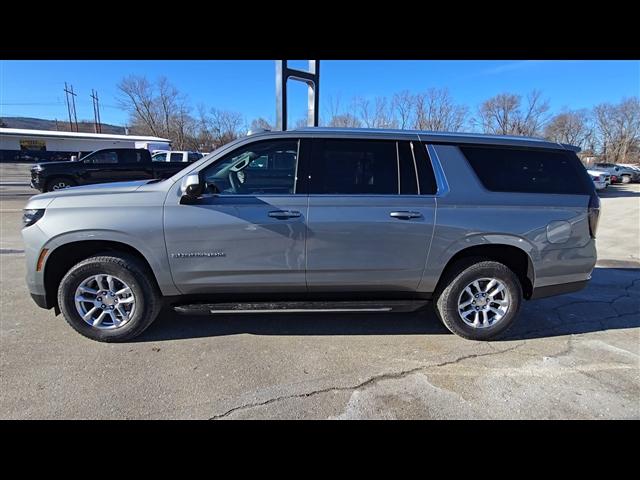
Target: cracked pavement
572	356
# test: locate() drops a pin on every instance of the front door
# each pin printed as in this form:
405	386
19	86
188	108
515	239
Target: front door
369	224
247	231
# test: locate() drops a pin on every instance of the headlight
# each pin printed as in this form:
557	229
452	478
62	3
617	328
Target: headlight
31	216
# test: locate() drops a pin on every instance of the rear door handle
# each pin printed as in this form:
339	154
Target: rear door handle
405	215
284	214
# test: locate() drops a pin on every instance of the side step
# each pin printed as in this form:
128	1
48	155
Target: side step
301	307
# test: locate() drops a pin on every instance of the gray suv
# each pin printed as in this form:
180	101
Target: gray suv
321	219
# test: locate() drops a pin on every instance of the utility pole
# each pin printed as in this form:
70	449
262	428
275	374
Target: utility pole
97	126
71	106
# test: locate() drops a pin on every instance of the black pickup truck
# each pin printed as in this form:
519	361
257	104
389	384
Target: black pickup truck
101	166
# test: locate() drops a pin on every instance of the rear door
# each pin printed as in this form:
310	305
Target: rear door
370	221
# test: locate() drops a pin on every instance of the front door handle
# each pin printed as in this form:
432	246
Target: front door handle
405	215
284	214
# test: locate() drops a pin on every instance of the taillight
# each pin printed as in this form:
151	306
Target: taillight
596	179
614	178
593	214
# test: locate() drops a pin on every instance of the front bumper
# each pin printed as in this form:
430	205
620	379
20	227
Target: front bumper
41	301
36	182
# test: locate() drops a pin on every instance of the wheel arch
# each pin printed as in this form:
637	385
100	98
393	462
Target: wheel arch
65	256
515	258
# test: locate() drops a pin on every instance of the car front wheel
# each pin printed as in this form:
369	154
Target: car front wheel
479	299
109	298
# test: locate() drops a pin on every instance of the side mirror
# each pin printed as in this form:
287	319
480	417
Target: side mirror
191	188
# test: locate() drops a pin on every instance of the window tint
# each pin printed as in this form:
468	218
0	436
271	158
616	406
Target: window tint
528	170
130	156
107	156
175	156
267	167
354	167
408	180
426	176
192	156
160	157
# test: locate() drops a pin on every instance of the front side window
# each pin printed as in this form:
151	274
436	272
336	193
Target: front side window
260	168
107	156
160	157
354	167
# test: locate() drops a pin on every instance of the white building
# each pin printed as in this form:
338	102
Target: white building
23	145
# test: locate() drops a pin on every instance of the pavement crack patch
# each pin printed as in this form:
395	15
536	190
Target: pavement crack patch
367	383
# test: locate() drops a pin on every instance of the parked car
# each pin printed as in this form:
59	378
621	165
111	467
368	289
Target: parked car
100	166
599	179
321	219
619	173
175	156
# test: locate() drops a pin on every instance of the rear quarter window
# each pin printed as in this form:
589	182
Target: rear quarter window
528	170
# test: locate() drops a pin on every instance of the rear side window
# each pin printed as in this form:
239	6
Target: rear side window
175	157
355	167
194	156
130	156
528	170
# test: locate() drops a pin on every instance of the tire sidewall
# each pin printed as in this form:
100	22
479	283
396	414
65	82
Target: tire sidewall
66	300
496	270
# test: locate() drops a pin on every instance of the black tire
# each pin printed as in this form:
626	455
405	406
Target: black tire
457	278
59	181
130	270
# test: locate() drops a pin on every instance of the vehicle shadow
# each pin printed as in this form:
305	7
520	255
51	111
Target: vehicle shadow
590	310
620	190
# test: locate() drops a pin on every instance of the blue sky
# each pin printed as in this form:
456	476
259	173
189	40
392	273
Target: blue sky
35	88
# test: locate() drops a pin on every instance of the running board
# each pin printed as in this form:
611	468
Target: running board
301	307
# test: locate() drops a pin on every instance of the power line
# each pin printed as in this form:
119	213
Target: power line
71	106
97	126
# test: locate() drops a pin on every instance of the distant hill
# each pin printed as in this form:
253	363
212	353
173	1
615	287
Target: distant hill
62	126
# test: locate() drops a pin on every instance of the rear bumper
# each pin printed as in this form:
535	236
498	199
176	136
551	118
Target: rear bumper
560	289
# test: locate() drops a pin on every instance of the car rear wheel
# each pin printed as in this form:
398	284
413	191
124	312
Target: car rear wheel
479	299
60	184
626	178
109	298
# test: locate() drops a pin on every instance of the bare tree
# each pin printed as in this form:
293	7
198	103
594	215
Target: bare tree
435	110
570	127
402	106
345	120
137	98
260	123
374	114
504	114
224	126
618	128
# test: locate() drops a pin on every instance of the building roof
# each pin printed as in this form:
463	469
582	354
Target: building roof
78	135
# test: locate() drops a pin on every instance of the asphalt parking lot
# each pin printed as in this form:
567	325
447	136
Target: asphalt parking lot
574	356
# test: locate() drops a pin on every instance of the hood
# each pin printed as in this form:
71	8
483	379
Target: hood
96	189
44	165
